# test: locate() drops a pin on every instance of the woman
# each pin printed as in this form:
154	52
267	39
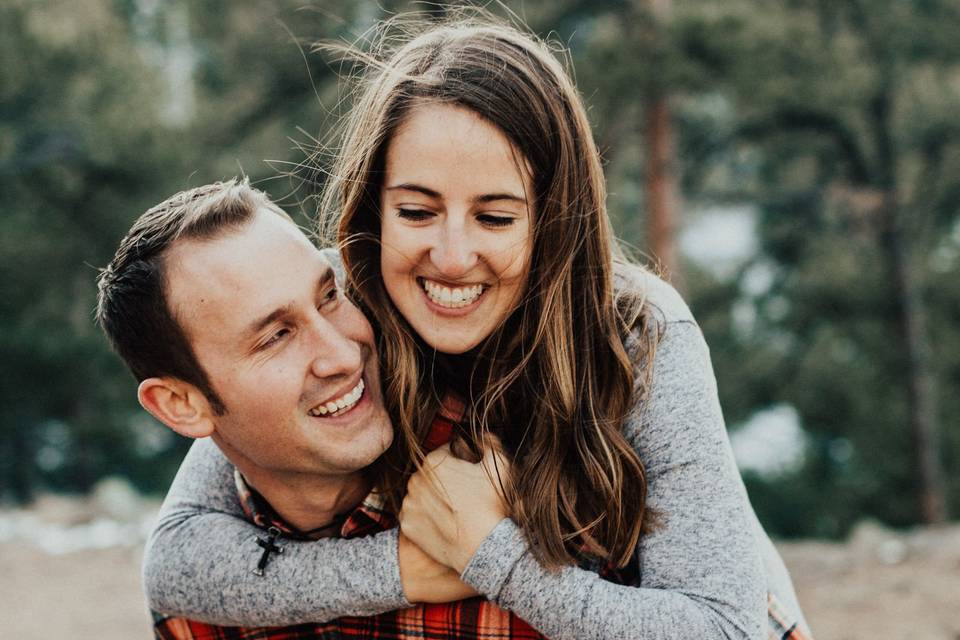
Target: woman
474	235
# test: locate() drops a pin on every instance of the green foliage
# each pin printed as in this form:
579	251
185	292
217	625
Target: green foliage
808	112
803	110
100	120
77	116
810	86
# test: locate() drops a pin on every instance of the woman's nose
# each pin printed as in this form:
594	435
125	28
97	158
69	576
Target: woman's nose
453	255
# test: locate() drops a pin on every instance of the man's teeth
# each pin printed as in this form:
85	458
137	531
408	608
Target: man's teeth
343	403
452	298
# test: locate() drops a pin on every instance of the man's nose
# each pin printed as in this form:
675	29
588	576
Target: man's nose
336	353
453	254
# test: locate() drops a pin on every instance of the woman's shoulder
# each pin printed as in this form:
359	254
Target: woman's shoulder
658	296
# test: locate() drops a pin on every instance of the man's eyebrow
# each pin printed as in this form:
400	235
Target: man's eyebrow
258	325
325	278
487	197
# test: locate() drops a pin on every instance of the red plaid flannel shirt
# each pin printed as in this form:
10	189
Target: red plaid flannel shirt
473	618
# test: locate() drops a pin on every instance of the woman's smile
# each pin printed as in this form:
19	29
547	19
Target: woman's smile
454	299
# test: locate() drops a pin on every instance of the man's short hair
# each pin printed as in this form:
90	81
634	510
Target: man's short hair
132	307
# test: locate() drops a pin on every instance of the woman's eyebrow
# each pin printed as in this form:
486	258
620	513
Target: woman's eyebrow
493	197
407	186
430	193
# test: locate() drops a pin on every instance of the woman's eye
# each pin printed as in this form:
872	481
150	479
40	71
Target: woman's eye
495	221
414	215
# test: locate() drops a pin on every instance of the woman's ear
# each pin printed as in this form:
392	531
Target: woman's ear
177	404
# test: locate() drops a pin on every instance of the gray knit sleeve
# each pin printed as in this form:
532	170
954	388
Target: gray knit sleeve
199	559
701	571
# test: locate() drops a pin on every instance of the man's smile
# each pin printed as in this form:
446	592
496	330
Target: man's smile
340	405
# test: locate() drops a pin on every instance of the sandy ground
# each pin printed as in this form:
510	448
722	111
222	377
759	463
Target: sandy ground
879	584
90	594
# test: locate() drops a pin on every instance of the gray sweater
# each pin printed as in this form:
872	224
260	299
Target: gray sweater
705	572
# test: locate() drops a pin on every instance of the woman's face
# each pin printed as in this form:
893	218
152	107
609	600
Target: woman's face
456	226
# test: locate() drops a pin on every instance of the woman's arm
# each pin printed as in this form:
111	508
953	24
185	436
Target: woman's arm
200	558
701	572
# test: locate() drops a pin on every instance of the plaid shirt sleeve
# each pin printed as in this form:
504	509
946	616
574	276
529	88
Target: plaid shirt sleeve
781	624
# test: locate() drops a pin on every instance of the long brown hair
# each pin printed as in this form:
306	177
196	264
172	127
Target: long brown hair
556	381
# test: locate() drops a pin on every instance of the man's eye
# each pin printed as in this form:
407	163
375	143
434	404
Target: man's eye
414	215
278	335
495	221
331	295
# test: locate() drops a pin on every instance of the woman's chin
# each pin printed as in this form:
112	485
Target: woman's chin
450	344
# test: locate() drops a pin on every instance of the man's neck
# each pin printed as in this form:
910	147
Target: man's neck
308	502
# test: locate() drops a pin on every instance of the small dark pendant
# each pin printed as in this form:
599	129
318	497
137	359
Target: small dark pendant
269	546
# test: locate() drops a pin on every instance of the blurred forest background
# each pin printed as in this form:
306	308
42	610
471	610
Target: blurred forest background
793	164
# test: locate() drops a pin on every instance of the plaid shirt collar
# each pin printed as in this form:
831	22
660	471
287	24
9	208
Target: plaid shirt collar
366	518
369	516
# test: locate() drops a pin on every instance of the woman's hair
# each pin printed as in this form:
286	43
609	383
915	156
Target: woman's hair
555	381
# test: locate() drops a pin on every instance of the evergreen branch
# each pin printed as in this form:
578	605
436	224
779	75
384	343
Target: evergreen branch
793	120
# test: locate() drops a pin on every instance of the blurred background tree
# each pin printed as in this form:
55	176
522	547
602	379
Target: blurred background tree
846	148
810	145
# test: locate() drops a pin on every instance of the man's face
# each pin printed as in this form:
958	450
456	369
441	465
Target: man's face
290	357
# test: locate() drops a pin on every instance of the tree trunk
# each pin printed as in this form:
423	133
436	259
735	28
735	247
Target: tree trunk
922	402
663	188
911	322
662	192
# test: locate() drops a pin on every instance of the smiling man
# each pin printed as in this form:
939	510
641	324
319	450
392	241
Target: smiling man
235	326
236	329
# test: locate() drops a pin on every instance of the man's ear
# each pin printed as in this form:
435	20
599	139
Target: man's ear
177	404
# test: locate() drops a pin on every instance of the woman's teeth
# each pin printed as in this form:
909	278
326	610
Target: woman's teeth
343	403
452	298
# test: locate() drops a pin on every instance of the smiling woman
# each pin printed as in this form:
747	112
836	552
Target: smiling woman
469	162
455	230
469	206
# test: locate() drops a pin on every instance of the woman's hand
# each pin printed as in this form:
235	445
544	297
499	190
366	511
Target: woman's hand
448	520
426	580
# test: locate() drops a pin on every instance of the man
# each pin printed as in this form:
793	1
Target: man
235	327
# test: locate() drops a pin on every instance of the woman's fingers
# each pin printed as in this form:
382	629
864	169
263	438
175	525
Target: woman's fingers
452	505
